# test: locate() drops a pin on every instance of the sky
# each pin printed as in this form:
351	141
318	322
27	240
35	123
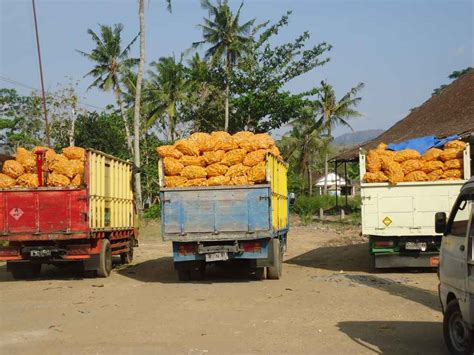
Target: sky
401	49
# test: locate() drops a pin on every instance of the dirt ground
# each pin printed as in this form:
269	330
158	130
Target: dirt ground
329	301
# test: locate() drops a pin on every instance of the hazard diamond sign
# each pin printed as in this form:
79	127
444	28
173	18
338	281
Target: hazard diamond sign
16	213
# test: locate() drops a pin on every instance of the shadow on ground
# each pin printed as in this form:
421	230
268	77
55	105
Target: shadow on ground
390	338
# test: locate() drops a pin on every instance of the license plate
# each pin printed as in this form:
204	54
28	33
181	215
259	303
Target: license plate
216	257
415	246
42	253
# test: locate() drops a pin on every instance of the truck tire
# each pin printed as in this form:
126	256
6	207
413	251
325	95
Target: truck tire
127	258
274	272
260	273
105	259
24	271
458	337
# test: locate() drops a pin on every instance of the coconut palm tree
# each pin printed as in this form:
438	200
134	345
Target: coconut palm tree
111	62
166	90
335	112
228	39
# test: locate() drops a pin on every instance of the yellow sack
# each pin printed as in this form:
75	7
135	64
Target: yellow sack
385	153
237	170
432	165
375	177
257	173
240	180
193	172
435	175
373	162
202	140
27	159
275	151
213	157
6	181
74	153
242	136
220	134
175	181
452	174
28	180
255	157
416	175
13	169
55	179
196	182
168	151
450	153
172	166
58	158
68	168
223	142
405	154
456	144
76	180
262	141
187	147
411	165
432	154
453	164
218	180
216	169
393	171
233	157
382	146
192	160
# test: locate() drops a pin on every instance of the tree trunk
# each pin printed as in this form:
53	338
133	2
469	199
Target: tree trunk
118	97
227	91
72	129
310	181
326	158
136	113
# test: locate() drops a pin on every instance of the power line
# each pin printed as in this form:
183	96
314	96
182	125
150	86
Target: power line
26	86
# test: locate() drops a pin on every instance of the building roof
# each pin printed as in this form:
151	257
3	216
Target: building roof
450	112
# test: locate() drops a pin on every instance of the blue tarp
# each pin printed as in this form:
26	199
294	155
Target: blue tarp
422	144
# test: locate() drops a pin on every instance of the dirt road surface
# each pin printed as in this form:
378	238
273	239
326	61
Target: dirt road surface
329	301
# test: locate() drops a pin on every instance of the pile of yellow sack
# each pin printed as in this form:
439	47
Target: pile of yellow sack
217	159
384	165
64	169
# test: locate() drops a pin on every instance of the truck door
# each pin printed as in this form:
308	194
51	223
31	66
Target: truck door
470	261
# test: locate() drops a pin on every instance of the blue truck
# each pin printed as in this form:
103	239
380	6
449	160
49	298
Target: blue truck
222	223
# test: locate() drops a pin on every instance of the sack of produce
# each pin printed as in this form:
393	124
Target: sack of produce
432	165
262	141
213	157
411	165
392	170
237	170
450	154
69	168
255	157
456	144
453	164
172	166
416	175
74	153
373	162
275	151
435	175
432	154
385	153
375	177
26	158
192	160
233	157
193	172
218	180
55	179
76	180
405	154
216	169
6	181
202	140
187	147
240	180
196	182
223	141
258	173
175	181
168	151
13	169
382	146
58	158
28	180
242	136
452	174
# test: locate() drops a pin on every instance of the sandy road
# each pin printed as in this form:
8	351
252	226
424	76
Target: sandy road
329	301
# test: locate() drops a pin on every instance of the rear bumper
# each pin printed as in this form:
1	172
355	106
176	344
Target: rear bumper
399	260
46	254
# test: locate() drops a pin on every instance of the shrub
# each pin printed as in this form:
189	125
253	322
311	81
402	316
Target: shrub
153	212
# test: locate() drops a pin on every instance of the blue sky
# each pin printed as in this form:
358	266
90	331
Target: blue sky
400	49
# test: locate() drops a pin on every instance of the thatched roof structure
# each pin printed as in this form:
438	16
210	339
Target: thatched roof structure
450	112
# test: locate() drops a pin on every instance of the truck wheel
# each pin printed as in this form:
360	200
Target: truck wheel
22	271
458	337
105	259
260	273
274	272
127	258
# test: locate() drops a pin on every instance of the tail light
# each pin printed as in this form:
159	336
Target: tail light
9	251
383	244
187	249
252	247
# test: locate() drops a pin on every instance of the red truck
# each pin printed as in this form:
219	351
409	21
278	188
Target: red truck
86	224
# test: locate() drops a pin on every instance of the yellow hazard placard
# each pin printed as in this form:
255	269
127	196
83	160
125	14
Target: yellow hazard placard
387	221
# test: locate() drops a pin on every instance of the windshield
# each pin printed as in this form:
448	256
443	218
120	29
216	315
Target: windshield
458	221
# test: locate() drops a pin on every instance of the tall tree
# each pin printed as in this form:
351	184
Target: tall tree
335	112
111	62
228	39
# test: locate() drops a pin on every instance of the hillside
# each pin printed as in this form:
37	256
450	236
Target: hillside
354	138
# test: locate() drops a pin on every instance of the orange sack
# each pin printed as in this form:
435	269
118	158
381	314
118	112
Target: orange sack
435	175
393	171
172	166
257	173
237	170
240	180
76	153
192	160
432	165
26	158
55	179
218	180
432	154
453	164
411	165
76	180
456	144
375	177
187	147
233	157
13	169
202	140
452	174
175	181
255	157
416	175
168	151
196	182
451	153
193	172
6	181
213	157
373	162
28	180
216	169
405	154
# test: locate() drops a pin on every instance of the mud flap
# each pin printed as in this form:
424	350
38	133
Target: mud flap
92	263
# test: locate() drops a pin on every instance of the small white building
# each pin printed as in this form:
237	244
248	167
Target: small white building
332	178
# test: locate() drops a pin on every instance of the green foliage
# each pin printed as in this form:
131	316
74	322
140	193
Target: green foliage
149	168
153	212
308	207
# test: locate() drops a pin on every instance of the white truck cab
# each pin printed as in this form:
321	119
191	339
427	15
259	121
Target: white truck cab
456	272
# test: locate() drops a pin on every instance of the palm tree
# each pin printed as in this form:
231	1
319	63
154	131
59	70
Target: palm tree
228	39
335	112
166	90
111	62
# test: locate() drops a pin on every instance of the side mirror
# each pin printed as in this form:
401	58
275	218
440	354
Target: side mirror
291	198
440	222
146	206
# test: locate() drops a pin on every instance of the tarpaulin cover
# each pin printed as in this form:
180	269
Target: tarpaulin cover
422	144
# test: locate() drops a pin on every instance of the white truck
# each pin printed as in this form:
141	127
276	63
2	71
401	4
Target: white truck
398	219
